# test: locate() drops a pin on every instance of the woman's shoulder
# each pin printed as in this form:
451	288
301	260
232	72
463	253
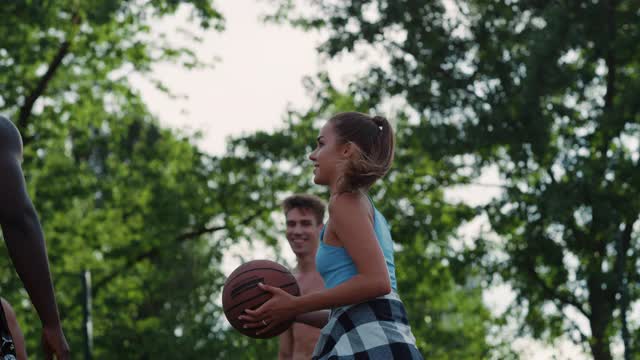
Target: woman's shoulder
347	203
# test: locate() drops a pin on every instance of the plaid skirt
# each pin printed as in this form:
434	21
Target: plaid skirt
377	330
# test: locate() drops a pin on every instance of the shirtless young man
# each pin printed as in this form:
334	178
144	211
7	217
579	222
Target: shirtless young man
24	239
304	214
14	329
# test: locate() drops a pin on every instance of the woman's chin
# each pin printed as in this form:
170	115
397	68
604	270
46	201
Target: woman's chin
318	181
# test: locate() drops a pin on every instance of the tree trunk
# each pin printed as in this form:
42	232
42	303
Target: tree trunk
601	314
600	348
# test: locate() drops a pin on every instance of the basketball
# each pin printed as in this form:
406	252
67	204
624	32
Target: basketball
241	292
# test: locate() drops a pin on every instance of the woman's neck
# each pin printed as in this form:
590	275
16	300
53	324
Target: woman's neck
335	192
333	188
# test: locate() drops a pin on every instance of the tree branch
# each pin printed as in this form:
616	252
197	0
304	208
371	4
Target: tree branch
581	236
564	298
623	243
611	62
156	250
610	58
459	8
149	254
583	337
621	286
54	65
27	107
551	176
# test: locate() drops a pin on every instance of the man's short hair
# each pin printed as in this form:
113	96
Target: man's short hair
305	201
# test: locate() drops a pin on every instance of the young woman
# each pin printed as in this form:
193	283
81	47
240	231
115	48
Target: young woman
355	257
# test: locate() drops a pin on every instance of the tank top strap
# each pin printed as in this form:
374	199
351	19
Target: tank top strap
322	233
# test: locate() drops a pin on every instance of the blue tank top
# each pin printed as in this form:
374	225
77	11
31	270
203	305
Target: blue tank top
336	266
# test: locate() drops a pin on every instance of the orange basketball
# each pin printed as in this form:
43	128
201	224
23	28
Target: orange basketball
241	292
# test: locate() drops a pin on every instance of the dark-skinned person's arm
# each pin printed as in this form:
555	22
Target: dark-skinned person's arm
25	240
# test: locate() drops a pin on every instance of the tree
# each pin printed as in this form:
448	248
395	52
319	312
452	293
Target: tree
545	91
116	193
440	290
138	205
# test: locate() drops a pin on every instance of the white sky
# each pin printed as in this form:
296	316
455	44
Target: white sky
259	73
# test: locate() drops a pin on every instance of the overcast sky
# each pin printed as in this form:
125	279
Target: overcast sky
259	72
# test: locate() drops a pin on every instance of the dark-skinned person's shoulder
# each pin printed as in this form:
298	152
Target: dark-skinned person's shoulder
10	139
12	192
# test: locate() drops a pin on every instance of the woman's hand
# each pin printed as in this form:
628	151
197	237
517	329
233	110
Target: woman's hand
281	307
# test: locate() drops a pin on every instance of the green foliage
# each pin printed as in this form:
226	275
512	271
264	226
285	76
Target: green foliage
542	90
442	293
545	91
117	194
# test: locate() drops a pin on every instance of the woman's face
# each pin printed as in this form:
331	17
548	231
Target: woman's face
327	156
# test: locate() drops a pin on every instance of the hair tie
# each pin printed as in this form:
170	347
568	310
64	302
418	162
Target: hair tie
379	121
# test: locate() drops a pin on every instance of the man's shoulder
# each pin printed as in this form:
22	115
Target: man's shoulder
6	125
10	138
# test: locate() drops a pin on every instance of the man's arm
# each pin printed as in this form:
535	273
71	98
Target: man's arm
24	238
285	350
21	227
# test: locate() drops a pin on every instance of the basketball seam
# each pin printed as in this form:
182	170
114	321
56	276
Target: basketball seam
257	296
245	286
261	268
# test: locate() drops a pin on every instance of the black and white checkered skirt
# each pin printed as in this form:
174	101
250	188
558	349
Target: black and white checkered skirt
377	330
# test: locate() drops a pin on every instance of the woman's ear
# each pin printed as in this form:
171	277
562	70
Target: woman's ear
348	149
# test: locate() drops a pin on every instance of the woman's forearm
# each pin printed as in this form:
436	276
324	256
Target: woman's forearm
358	289
316	319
